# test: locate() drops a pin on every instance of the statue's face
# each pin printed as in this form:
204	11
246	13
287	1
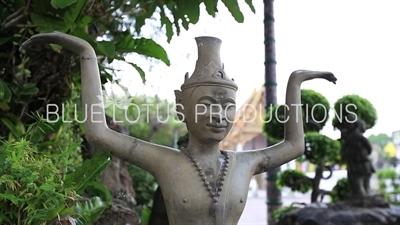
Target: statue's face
209	112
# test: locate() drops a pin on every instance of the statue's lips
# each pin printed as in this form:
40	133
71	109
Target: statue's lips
217	128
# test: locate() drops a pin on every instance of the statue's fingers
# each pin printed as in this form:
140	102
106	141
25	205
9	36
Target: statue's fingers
67	41
35	40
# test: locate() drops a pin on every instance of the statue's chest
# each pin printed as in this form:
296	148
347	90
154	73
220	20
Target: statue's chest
187	192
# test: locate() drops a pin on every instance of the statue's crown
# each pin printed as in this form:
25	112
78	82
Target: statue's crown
209	70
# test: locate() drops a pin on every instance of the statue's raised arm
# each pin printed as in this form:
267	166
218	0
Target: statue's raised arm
133	150
293	144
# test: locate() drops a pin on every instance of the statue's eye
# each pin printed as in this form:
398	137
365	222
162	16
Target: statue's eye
229	106
205	104
220	74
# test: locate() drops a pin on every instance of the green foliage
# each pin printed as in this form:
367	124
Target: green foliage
90	211
341	190
36	181
144	214
279	213
32	186
315	114
381	140
316	108
179	14
150	119
43	187
389	185
354	104
87	172
295	180
321	149
274	127
144	185
34	79
387	173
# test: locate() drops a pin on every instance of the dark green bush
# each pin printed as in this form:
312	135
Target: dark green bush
354	104
322	149
315	107
295	180
340	190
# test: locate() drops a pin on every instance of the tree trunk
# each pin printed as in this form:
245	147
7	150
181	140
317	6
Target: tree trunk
316	181
274	195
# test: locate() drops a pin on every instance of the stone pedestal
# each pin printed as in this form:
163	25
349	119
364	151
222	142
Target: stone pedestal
367	211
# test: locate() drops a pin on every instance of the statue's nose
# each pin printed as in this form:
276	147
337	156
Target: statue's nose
218	114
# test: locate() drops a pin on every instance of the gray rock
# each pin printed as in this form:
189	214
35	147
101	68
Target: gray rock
342	214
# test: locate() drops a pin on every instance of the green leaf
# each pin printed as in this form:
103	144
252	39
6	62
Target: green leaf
74	11
97	189
85	36
250	4
168	25
87	172
176	22
4	106
185	23
60	4
36	131
5	92
91	210
4	40
46	187
2	86
192	9
60	209
140	71
143	46
211	7
82	23
13	123
234	9
107	48
47	24
9	197
29	89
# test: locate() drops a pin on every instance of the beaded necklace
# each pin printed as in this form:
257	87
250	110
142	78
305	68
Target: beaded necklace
214	194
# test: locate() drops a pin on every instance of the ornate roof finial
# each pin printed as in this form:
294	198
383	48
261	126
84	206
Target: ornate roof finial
209	70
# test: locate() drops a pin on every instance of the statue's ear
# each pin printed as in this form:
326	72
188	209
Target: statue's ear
179	105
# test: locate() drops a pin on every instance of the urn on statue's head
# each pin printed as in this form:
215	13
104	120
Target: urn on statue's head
209	70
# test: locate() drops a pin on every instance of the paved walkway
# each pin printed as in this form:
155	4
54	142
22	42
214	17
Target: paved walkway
255	212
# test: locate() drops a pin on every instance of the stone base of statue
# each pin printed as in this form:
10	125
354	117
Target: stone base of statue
372	201
118	215
370	210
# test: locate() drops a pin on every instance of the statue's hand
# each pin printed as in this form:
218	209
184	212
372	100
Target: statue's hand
329	77
303	75
72	43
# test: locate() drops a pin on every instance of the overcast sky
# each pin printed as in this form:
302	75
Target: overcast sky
357	40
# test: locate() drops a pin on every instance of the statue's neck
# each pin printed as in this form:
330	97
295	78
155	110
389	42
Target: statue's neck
200	149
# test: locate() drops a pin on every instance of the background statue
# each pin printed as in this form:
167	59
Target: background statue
355	152
200	183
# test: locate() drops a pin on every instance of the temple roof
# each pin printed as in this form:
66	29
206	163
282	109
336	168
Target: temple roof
248	122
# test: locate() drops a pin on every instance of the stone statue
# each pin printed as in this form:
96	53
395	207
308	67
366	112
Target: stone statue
355	152
201	184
